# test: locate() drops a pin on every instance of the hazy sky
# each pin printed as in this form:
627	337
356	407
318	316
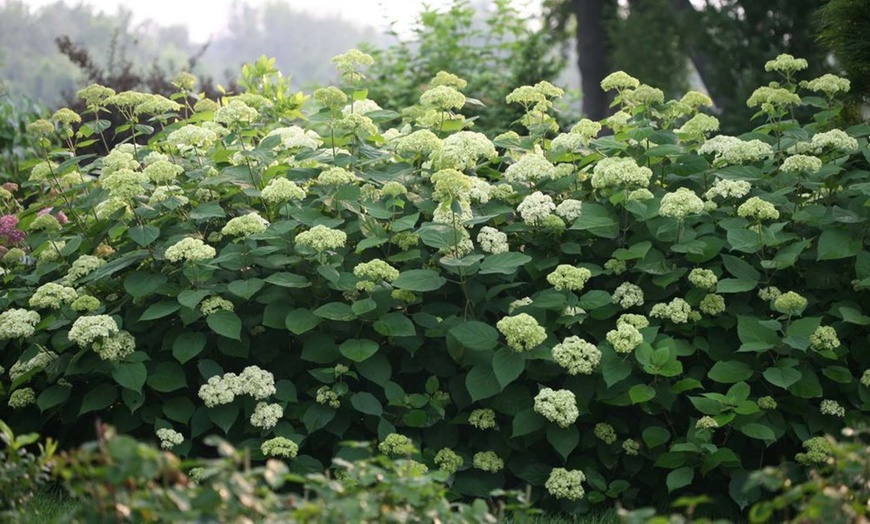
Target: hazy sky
207	17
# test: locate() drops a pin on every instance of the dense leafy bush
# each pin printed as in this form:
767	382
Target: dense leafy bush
601	318
22	473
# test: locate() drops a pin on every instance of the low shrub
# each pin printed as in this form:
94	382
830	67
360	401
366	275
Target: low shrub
629	318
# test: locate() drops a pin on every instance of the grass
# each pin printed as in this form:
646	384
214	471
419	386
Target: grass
46	506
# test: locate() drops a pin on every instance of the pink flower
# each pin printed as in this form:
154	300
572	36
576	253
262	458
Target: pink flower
44	211
10	186
61	218
8	229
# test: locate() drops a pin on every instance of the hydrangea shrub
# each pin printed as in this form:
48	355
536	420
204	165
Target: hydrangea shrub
655	311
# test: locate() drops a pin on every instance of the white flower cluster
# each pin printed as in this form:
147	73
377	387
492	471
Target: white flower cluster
294	137
834	139
624	338
628	295
421	143
734	150
522	332
703	279
677	311
487	461
250	224
189	249
280	190
88	329
236	112
566	484
336	176
569	209
37	362
462	151
191	137
165	193
536	207
280	447
481	190
559	406
116	347
729	189
681	203
529	169
712	304
482	418
828	84
53	296
211	305
266	416
699	126
758	209
492	240
569	277
577	356
252	381
613	172
321	238
801	164
169	438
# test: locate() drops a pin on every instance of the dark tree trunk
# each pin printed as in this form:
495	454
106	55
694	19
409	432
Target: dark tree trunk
592	55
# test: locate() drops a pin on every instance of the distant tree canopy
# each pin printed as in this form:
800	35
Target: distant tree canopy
32	65
727	41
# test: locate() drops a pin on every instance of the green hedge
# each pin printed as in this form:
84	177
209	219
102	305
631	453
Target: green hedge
620	317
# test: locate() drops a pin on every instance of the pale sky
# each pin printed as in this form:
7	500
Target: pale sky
205	18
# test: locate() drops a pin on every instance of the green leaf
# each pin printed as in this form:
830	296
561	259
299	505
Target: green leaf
419	280
166	377
438	236
654	436
757	431
640	393
563	440
782	377
503	263
525	422
634	252
740	269
245	288
141	284
507	365
475	335
799	332
207	210
595	299
366	403
130	375
144	235
482	383
288	280
338	311
614	369
301	320
358	349
53	396
224	416
395	325
757	336
837	243
97	398
361	307
317	416
190	298
679	478
188	345
730	371
734	285
160	310
320	349
598	220
179	409
226	324
838	374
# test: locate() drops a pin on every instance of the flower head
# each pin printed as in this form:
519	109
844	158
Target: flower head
530	168
266	416
832	407
758	209
250	224
321	238
712	304
487	461
89	329
280	447
786	63
818	451
605	433
169	438
448	460
536	207
190	249
677	311
482	418
21	398
790	303
624	338
681	203
559	406
566	484
577	356
53	296
397	445
569	277
628	295
492	240
522	331
281	190
619	81
801	164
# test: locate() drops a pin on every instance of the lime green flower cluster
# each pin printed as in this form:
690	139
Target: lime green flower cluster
628	295
617	266
529	169
769	293
559	406
336	176
487	461
790	303
450	185
681	203
351	63
536	208
395	444
818	451
266	416
157	105
614	172
828	84
52	296
865	378
321	238
835	139
786	63
801	164
677	311
643	95
565	484
280	447
636	321
37	362
443	98
631	447
117	347
492	240
422	142
712	304
482	418
619	81
242	226
706	422
21	398
169	438
522	332
698	127
703	278
605	433
832	407
326	396
212	305
191	137
728	189
190	249
625	338
577	356
773	99
824	338
767	403
95	95
124	183
236	112
86	304
567	277
162	171
758	209
448	460
463	150
374	272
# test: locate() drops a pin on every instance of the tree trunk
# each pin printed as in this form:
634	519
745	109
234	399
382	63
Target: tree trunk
592	56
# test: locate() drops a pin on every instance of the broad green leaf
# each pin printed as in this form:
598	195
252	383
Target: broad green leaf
358	349
224	416
53	396
679	478
301	320
654	436
317	416
395	325
740	269
838	374
475	335
207	210
97	398
799	332
160	310
507	365
361	307
141	284
366	403
167	376
226	324
376	368
756	335
634	252
525	422
190	298
594	299
481	383
734	285
188	345
837	243
130	375
144	235
730	371
288	280
598	220
179	409
757	431
614	368
419	280
245	288
563	440
640	393
503	263
338	311
782	377
320	349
